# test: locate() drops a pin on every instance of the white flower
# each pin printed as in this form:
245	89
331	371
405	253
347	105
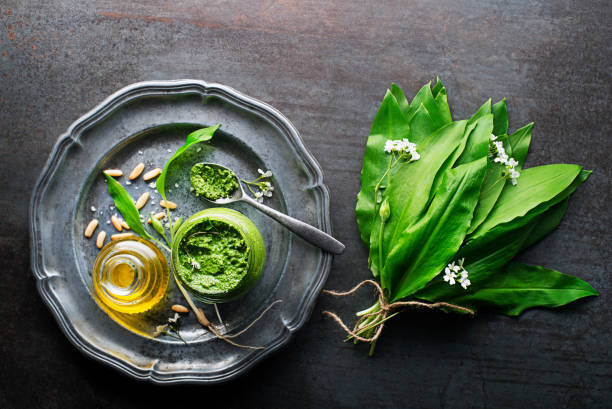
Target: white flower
493	137
449	276
503	158
454	270
195	264
389	146
266	174
259	197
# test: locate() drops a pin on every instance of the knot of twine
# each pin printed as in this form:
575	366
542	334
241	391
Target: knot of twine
382	314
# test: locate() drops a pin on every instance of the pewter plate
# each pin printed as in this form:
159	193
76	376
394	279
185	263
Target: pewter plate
147	122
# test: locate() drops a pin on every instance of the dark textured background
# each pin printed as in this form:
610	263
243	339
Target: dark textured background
326	65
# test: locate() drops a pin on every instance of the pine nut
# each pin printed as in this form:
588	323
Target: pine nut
171	205
157	216
137	171
100	239
142	200
125	225
151	174
116	223
91	227
114	172
121	236
180	308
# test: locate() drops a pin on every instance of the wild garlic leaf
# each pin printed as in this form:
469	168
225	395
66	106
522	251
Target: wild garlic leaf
483	258
519	143
159	228
408	199
125	204
519	221
518	287
425	246
176	225
439	94
477	143
425	97
389	123
537	185
402	102
200	135
500	118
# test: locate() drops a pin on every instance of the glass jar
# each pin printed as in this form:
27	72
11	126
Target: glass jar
130	275
214	273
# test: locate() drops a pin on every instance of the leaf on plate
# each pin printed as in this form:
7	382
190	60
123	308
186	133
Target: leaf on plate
197	136
125	204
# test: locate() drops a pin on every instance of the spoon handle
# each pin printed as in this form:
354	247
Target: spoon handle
309	233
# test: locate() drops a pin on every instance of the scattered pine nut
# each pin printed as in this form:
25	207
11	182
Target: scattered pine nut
137	171
151	174
171	205
114	172
142	200
180	308
100	239
116	223
157	216
91	227
125	225
121	236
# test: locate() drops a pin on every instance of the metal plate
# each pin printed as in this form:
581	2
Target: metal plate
147	122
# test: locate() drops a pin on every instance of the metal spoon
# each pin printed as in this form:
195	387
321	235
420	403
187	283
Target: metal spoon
309	233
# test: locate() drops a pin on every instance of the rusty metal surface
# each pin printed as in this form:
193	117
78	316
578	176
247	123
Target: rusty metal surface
326	65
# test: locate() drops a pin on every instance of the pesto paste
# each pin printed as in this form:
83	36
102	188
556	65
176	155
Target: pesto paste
213	257
212	182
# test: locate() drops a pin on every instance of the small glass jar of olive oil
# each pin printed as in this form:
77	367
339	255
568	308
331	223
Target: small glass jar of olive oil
130	275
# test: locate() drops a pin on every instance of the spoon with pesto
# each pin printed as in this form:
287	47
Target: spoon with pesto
220	185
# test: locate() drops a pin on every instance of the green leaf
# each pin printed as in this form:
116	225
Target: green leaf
425	97
425	246
125	204
518	287
389	123
500	118
477	145
176	225
536	186
522	220
409	186
200	135
159	227
519	143
483	258
439	94
397	92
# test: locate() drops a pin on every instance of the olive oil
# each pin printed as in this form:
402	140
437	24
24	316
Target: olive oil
130	275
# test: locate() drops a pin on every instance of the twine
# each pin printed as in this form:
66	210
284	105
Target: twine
383	313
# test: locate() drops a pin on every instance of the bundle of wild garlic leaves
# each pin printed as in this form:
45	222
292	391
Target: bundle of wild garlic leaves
446	205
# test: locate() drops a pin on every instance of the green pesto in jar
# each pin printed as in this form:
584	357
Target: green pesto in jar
212	182
213	257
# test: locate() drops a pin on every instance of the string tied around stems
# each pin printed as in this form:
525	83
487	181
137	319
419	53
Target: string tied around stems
382	314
